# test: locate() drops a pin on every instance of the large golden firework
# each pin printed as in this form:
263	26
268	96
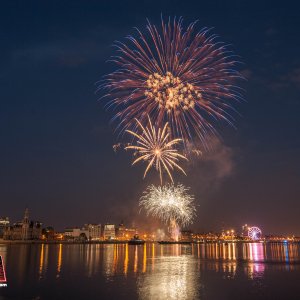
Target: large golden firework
154	146
177	75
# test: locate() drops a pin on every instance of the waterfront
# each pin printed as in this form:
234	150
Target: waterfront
152	271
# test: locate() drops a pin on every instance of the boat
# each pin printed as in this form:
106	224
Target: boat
198	241
136	241
174	242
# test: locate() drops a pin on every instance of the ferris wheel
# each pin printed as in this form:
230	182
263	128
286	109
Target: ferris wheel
254	233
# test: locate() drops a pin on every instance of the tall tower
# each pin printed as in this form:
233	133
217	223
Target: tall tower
25	225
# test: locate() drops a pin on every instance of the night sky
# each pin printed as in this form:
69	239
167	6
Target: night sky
56	137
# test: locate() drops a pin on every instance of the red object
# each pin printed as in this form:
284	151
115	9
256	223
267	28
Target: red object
2	271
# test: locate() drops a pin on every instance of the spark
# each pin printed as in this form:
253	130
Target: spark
169	203
197	152
116	147
154	146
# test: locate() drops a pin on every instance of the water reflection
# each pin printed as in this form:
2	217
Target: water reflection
92	259
126	260
287	252
41	260
174	277
122	258
255	254
145	259
135	259
254	251
59	260
108	258
224	251
159	271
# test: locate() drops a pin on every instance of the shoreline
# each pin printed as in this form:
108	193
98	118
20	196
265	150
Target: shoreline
36	242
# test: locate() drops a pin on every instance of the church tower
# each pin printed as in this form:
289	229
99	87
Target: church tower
25	225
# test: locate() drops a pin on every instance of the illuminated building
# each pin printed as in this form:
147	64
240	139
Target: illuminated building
210	237
25	230
93	231
25	225
245	229
228	235
76	234
72	232
109	232
186	235
120	231
123	233
4	222
48	233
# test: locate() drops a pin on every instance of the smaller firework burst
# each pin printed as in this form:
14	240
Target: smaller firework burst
169	203
155	147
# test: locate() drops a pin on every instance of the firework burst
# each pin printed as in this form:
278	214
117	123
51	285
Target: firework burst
155	147
174	75
169	203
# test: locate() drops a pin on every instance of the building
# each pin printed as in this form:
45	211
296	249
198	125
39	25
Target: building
186	235
208	237
4	223
25	225
245	230
48	233
109	232
72	233
24	230
123	233
13	232
228	235
93	231
76	234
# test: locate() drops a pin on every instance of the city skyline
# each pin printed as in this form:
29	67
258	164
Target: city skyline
56	153
6	222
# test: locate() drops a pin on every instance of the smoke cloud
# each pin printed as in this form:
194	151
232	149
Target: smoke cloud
210	168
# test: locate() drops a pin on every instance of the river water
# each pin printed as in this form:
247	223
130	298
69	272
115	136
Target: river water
152	271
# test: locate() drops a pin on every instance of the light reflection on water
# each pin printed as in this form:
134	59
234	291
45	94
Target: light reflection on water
149	271
174	266
175	277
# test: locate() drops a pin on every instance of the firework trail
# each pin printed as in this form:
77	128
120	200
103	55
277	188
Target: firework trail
175	75
169	203
155	147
